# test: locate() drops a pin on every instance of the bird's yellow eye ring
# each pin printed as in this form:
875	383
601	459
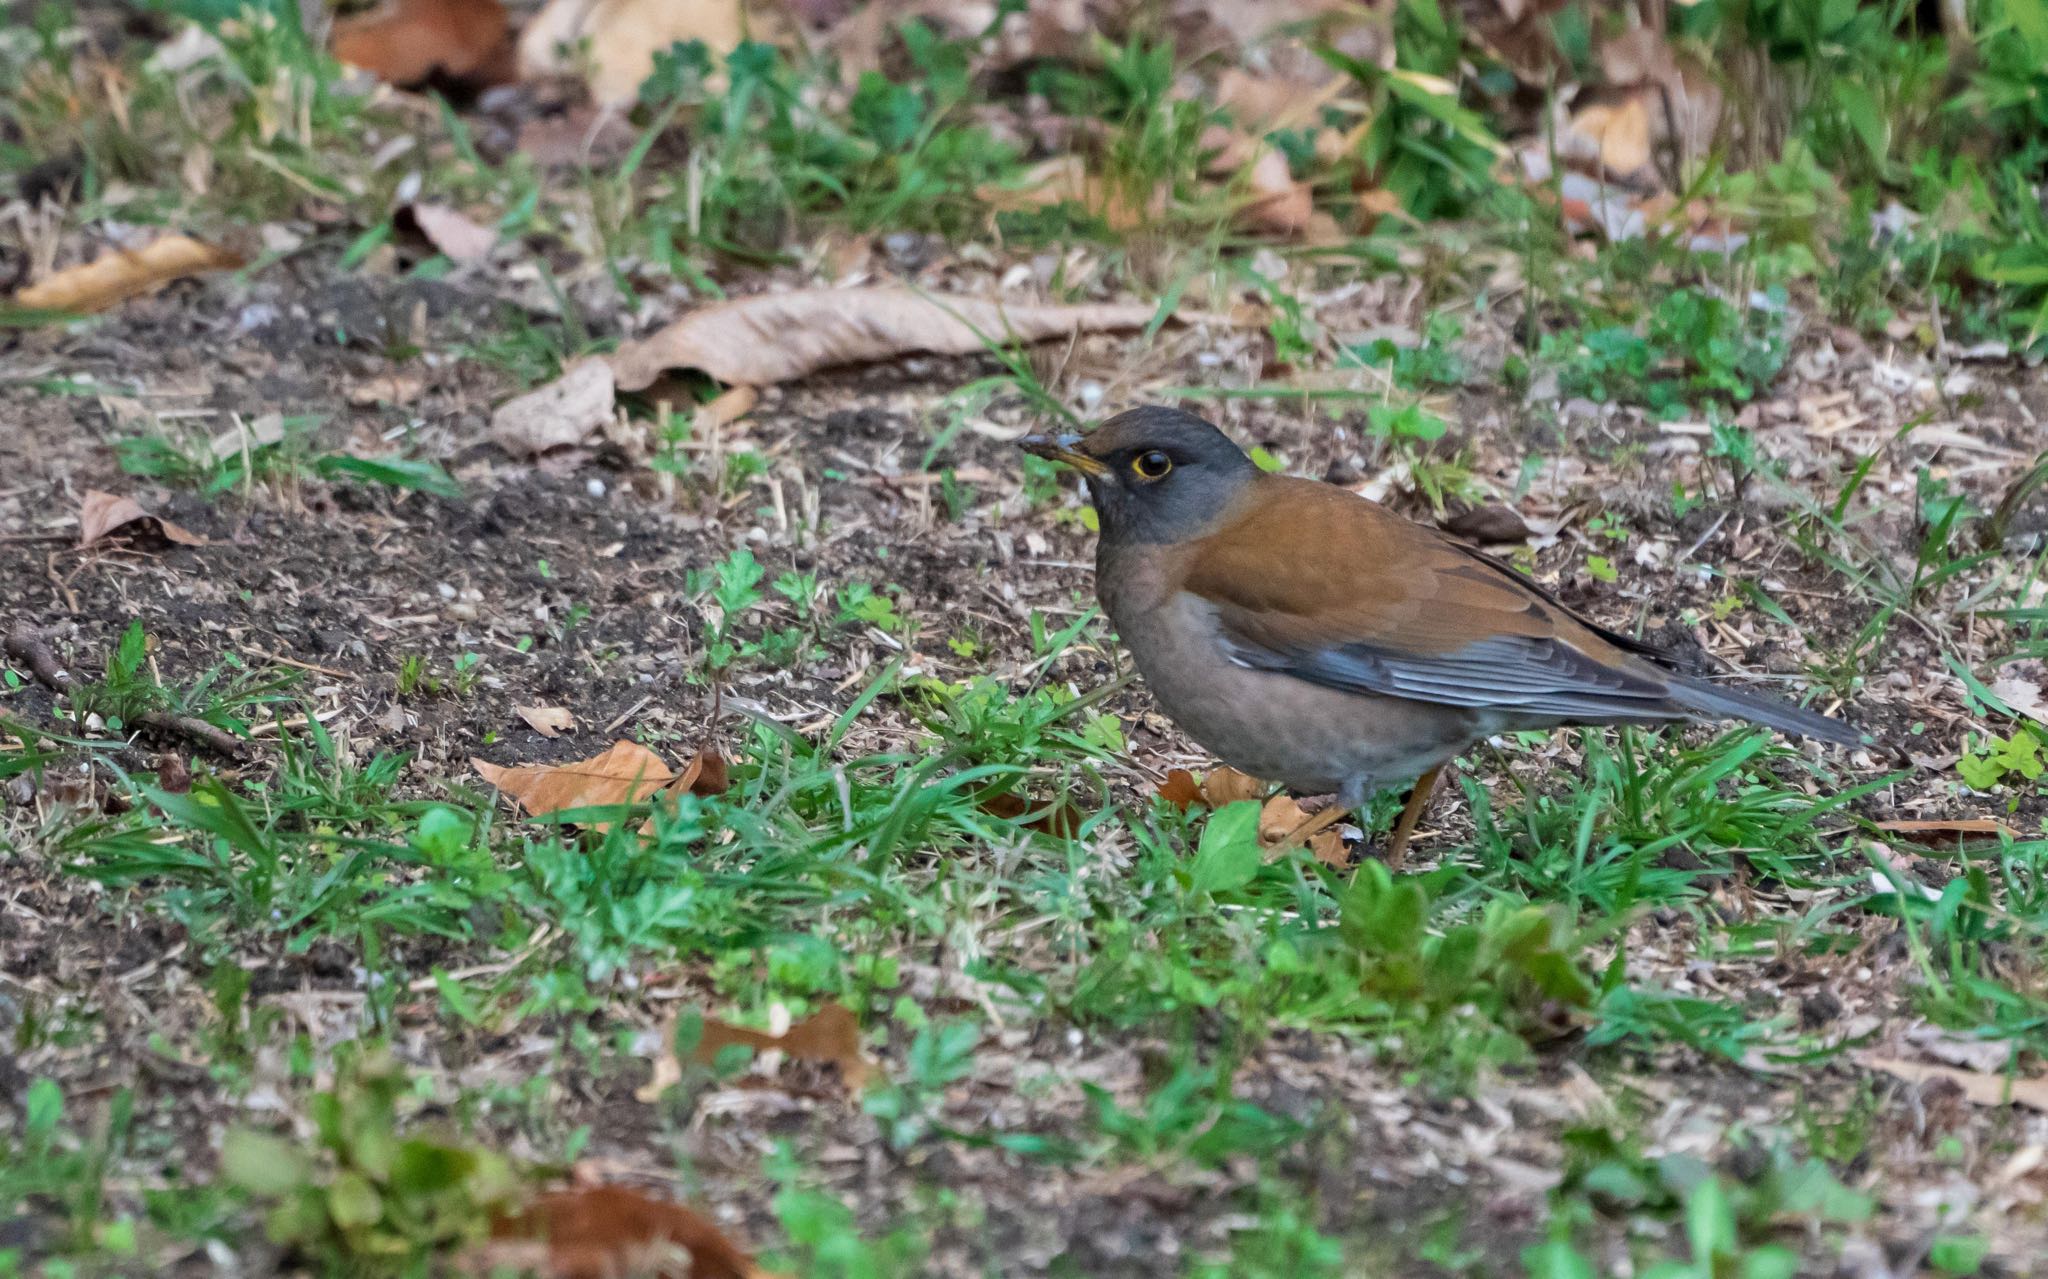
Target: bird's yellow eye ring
1151	466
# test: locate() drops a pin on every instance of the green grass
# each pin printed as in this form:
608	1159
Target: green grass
1568	929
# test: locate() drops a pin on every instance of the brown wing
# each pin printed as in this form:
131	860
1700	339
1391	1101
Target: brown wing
1325	586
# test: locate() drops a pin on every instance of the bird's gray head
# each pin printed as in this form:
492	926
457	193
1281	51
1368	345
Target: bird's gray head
1156	474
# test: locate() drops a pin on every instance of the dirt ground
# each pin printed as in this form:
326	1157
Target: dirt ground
337	583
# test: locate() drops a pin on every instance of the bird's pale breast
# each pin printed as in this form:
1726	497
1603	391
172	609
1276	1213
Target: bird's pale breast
1275	726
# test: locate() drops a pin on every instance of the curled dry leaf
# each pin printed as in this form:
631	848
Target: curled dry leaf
599	1232
559	414
121	274
104	513
779	337
451	232
246	436
625	774
1619	134
1982	1088
546	720
1281	816
1180	789
1225	785
411	42
830	1036
706	774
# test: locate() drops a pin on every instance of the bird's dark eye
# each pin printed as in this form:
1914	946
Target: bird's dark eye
1152	466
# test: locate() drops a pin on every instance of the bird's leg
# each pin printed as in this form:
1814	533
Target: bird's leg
1411	815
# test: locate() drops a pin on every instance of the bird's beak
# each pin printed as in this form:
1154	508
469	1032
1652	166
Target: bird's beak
1062	448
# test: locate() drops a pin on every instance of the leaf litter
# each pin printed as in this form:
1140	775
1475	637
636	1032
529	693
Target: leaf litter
120	274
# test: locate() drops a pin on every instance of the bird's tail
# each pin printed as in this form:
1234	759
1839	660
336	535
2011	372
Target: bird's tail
1715	701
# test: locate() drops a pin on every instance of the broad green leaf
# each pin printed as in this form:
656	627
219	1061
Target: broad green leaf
1229	854
263	1164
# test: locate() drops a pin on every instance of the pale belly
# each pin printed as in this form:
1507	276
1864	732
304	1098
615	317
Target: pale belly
1273	726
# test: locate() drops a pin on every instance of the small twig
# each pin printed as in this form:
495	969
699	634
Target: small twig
25	644
197	730
304	666
1701	540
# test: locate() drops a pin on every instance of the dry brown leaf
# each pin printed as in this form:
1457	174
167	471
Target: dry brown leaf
1065	180
546	720
1982	1088
410	42
451	232
1062	821
625	774
624	36
246	436
1620	132
1262	104
831	1036
1225	785
104	513
1281	816
1374	205
1279	205
724	409
600	1232
707	773
1179	789
780	337
559	414
389	388
2023	694
118	275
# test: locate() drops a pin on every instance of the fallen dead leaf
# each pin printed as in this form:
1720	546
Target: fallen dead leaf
546	720
390	388
104	513
1281	816
1180	789
1225	785
707	773
1279	205
121	274
246	436
831	1036
1262	104
1982	1088
451	232
599	1232
622	38
409	43
780	337
1620	133
1062	821
559	414
1066	180
625	774
2024	695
